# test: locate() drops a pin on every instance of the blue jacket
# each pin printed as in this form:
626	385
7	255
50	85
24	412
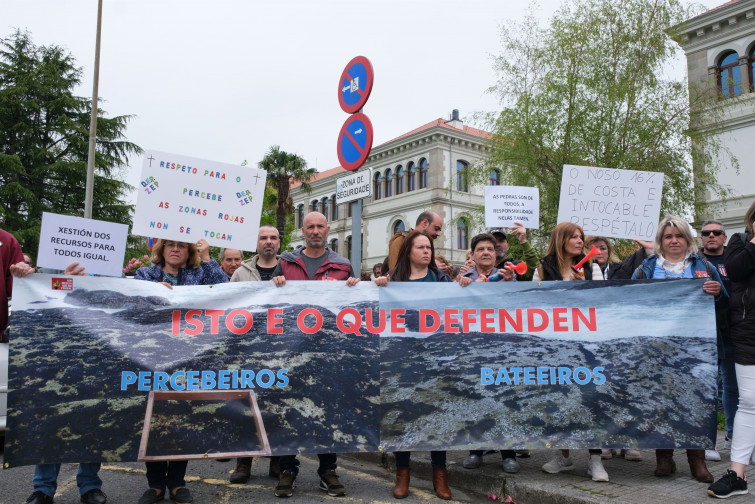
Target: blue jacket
208	273
647	268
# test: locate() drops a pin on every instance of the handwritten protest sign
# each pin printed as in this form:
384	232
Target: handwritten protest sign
505	205
99	246
610	202
184	198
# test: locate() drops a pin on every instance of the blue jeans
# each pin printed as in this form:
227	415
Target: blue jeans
46	478
730	393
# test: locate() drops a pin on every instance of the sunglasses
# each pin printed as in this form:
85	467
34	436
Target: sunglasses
716	232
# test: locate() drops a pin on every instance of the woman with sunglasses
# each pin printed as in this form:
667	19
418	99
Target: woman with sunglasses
676	257
739	260
176	263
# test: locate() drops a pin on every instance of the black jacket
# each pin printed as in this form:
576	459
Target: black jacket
739	260
551	271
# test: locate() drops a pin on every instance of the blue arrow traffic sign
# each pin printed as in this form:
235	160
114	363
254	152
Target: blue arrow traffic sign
355	141
355	85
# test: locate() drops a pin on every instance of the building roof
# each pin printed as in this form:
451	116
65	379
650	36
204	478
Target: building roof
440	122
730	2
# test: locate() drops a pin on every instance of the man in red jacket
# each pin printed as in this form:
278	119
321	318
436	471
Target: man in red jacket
11	264
315	261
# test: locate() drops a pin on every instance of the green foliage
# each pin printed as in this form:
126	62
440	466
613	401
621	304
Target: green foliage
283	169
44	134
588	89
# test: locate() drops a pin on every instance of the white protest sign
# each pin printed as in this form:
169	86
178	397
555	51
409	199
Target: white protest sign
610	202
505	205
185	199
354	186
99	246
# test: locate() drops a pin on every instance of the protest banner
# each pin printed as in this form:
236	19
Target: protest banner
505	205
610	202
186	199
99	246
504	365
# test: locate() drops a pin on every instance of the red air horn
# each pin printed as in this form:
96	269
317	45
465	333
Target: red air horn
578	267
520	269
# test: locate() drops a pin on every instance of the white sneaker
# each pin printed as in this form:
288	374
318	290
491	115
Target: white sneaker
727	443
606	454
595	468
558	463
712	455
632	455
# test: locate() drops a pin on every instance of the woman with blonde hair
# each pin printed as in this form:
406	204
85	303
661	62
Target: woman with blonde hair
676	257
607	259
564	251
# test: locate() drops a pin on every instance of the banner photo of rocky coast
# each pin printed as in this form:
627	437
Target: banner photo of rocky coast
614	364
91	358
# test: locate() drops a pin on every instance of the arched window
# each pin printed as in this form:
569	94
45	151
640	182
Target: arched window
348	248
399	179
729	79
334	245
378	189
300	216
334	207
388	183
399	226
751	61
315	206
325	208
422	173
410	181
495	177
462	183
462	234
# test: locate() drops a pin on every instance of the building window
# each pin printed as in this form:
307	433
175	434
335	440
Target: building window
462	183
495	177
399	227
334	206
400	179
410	180
348	248
315	206
752	69
348	205
388	183
300	215
325	208
334	245
378	186
729	79
422	173
462	234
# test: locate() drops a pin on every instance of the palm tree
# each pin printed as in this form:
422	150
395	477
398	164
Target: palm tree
283	169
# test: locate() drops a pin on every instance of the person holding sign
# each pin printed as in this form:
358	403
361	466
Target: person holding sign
484	256
739	260
313	262
676	257
415	262
563	255
176	263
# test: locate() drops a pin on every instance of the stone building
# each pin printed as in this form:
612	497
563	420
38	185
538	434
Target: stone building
720	49
423	169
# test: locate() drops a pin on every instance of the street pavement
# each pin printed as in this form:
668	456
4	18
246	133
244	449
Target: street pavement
368	478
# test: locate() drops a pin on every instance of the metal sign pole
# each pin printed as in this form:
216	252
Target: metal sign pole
89	196
356	237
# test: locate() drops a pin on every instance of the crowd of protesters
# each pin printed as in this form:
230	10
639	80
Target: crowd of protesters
411	258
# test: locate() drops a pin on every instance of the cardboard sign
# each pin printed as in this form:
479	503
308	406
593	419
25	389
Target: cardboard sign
610	202
354	187
99	246
505	205
186	199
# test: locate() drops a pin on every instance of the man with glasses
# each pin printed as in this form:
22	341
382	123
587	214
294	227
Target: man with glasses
713	235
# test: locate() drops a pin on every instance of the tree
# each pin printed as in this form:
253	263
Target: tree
283	169
589	90
44	134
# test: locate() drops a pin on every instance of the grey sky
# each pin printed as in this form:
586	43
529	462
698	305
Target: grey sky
226	79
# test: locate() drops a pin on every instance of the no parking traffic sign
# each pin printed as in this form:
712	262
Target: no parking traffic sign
355	141
355	85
